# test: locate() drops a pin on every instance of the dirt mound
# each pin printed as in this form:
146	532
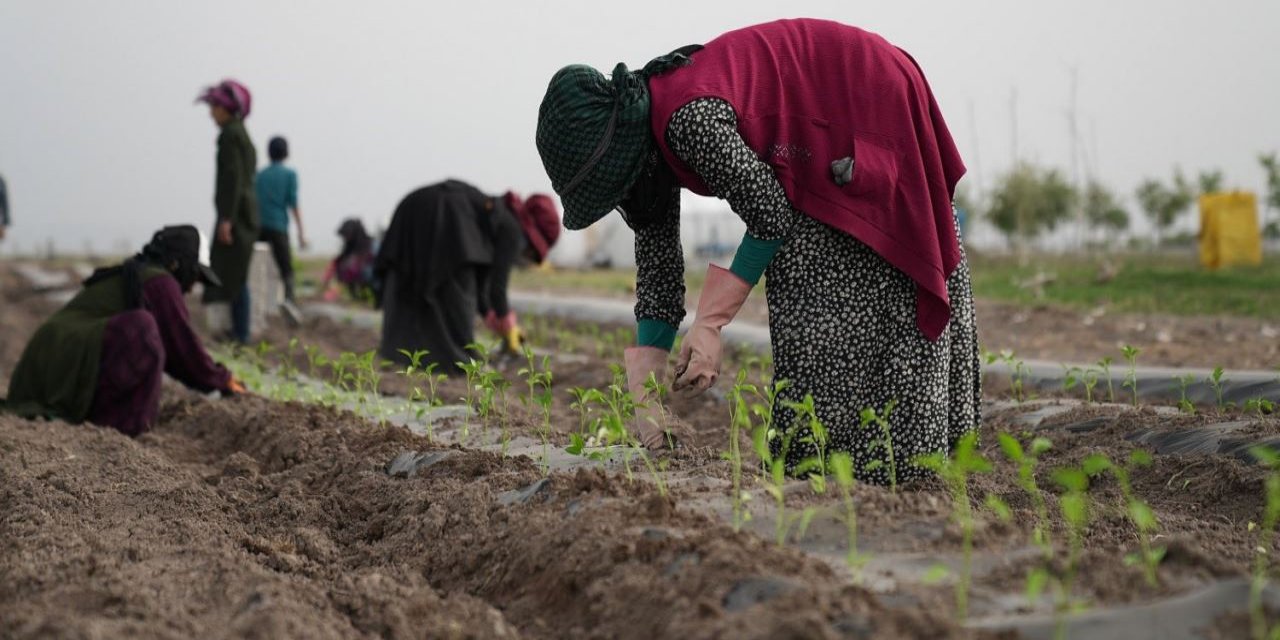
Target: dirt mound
258	519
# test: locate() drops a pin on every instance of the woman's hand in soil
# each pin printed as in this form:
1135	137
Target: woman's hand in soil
236	388
698	365
643	363
648	426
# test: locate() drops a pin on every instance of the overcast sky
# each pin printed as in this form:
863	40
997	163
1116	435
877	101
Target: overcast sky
100	141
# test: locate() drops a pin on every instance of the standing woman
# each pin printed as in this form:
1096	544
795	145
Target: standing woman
447	256
237	224
826	140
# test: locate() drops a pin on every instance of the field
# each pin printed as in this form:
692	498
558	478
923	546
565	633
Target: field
349	499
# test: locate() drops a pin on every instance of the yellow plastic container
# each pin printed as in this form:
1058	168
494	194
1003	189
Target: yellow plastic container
1229	232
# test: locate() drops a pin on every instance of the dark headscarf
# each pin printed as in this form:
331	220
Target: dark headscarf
355	240
174	249
594	134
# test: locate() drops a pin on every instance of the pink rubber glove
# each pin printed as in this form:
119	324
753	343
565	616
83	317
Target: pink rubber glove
329	294
491	322
648	425
507	323
698	365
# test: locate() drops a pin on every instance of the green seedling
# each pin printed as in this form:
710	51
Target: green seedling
315	359
539	383
1185	405
433	384
739	422
955	471
1090	379
1026	459
1074	506
412	372
619	408
287	368
472	369
870	418
482	351
776	468
802	523
1070	378
1105	365
999	507
654	472
1266	534
767	396
1143	518
1215	381
260	354
1017	375
812	432
1131	379
583	399
842	469
487	395
1260	405
656	391
340	376
368	379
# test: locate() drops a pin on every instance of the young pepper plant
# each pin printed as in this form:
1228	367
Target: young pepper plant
1143	518
1026	459
842	469
1266	534
1074	506
1131	379
870	418
739	422
954	471
1105	365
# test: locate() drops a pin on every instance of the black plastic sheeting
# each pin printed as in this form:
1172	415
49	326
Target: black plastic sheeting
1180	618
1155	384
1224	438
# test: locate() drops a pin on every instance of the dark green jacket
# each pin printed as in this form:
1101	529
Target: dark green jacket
234	200
58	372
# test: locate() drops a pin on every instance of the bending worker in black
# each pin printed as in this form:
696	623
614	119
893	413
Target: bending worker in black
447	255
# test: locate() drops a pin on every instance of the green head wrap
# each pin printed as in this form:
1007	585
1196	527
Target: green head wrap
594	133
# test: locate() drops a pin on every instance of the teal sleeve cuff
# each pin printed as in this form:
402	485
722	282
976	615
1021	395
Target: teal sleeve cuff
752	257
655	333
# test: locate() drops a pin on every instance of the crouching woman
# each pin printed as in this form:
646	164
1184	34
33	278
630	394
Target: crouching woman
100	358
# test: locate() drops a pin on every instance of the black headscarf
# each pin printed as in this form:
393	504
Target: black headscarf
174	249
355	240
594	136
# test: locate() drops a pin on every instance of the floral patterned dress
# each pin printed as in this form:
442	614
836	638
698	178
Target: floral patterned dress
842	321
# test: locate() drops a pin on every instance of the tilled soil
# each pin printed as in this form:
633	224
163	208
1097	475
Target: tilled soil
1204	502
256	518
1060	334
250	518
